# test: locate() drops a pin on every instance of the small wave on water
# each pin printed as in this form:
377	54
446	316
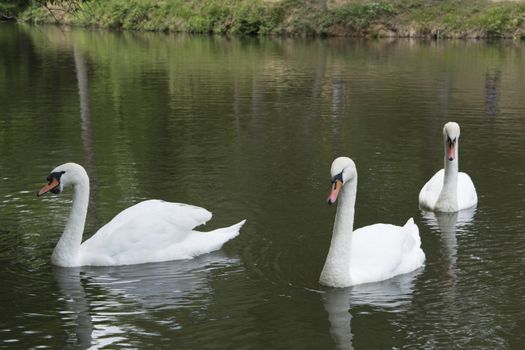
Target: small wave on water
101	306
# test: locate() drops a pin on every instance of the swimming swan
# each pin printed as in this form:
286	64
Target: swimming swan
149	231
369	254
449	190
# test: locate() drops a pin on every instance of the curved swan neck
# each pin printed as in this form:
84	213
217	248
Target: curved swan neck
336	268
67	250
344	217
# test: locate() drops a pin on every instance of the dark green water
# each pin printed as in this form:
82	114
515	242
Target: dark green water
248	129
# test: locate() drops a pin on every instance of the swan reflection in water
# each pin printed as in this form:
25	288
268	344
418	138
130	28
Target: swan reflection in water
448	225
98	299
390	295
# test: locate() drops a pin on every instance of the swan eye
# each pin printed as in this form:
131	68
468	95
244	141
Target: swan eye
338	177
55	175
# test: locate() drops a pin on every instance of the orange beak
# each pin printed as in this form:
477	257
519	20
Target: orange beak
451	151
336	187
54	183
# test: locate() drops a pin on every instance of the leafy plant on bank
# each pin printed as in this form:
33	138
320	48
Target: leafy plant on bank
500	19
9	9
359	15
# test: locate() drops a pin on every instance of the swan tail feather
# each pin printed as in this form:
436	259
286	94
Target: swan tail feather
206	242
227	233
414	230
416	257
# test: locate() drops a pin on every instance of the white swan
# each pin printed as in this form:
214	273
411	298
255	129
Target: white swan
449	190
369	254
149	231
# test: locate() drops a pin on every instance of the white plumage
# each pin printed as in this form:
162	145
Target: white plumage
167	234
369	254
382	251
466	192
149	231
449	190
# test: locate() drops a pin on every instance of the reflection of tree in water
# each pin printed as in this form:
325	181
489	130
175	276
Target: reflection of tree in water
336	93
85	111
338	116
320	69
444	95
85	124
492	80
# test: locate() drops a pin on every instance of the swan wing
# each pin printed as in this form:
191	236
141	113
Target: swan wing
152	230
429	194
467	196
382	251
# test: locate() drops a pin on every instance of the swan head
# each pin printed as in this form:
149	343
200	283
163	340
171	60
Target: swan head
451	136
342	170
63	175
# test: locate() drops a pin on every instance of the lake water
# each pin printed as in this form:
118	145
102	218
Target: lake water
248	128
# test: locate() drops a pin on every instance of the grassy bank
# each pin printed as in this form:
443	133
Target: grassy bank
398	18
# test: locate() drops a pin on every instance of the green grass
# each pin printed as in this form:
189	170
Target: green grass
469	18
358	16
498	20
450	18
215	16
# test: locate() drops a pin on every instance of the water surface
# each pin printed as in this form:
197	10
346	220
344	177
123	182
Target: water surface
247	128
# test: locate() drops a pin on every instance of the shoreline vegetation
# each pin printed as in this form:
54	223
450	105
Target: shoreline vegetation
436	19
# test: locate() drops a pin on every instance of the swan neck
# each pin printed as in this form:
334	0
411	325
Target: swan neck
336	269
451	171
67	250
448	198
344	218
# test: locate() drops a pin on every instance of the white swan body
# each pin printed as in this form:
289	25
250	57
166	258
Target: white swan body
369	254
149	231
466	196
449	190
